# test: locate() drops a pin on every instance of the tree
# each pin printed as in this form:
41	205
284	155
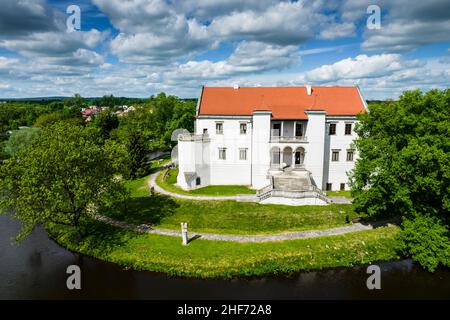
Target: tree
19	139
106	121
58	178
404	157
76	101
137	150
49	119
425	239
403	170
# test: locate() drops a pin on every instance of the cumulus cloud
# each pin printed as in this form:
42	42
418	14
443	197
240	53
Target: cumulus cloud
405	25
284	23
362	66
53	43
151	31
249	57
37	31
157	31
19	18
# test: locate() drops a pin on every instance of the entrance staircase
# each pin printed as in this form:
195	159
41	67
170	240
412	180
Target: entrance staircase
292	184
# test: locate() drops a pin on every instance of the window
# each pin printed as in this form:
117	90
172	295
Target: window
350	155
335	156
332	129
348	128
222	153
243	128
342	186
276	129
298	129
242	154
328	187
198	181
205	131
219	128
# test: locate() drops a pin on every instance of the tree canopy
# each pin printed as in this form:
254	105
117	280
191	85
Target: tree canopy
58	177
403	168
19	139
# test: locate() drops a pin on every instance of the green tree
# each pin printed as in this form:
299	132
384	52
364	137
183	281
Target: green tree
426	240
58	178
106	121
19	139
404	157
137	150
76	101
403	169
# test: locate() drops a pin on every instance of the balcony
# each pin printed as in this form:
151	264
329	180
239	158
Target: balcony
193	137
276	137
288	139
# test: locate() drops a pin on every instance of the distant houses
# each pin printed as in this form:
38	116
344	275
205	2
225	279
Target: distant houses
90	113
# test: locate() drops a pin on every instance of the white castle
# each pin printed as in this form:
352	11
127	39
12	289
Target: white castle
290	143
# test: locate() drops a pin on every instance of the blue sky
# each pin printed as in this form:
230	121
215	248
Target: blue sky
138	48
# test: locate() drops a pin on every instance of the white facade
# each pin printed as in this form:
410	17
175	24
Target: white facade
251	149
247	158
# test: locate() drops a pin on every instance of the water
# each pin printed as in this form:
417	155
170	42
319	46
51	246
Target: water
36	268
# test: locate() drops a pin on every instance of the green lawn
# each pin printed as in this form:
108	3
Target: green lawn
226	217
342	193
169	184
206	259
159	162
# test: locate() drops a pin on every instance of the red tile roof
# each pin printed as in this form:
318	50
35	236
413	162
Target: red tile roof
284	102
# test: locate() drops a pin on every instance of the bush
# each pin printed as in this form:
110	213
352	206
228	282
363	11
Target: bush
425	239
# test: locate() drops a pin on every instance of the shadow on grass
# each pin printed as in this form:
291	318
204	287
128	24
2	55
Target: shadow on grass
143	210
94	237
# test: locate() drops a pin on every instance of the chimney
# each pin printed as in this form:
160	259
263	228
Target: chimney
308	90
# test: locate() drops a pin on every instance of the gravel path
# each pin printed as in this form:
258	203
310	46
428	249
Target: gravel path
243	197
152	183
241	238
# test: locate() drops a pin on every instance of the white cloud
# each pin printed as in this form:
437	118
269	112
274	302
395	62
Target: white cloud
338	30
152	32
283	23
407	35
53	44
405	24
249	57
361	66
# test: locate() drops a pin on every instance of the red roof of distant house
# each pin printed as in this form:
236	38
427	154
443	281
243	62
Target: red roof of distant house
88	112
284	102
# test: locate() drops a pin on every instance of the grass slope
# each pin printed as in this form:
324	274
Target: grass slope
226	217
207	259
169	184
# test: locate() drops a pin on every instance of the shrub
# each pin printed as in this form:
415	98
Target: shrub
425	239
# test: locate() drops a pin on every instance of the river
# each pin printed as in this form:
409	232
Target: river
35	269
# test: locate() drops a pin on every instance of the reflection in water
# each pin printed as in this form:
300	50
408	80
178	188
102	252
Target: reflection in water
36	269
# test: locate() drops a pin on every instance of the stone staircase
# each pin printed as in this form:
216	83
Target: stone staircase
292	184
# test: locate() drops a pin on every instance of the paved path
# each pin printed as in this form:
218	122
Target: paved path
152	183
242	238
243	197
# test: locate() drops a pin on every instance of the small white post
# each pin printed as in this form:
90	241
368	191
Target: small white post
184	233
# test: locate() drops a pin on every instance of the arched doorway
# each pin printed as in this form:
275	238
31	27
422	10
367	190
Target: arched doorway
275	157
299	157
287	156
